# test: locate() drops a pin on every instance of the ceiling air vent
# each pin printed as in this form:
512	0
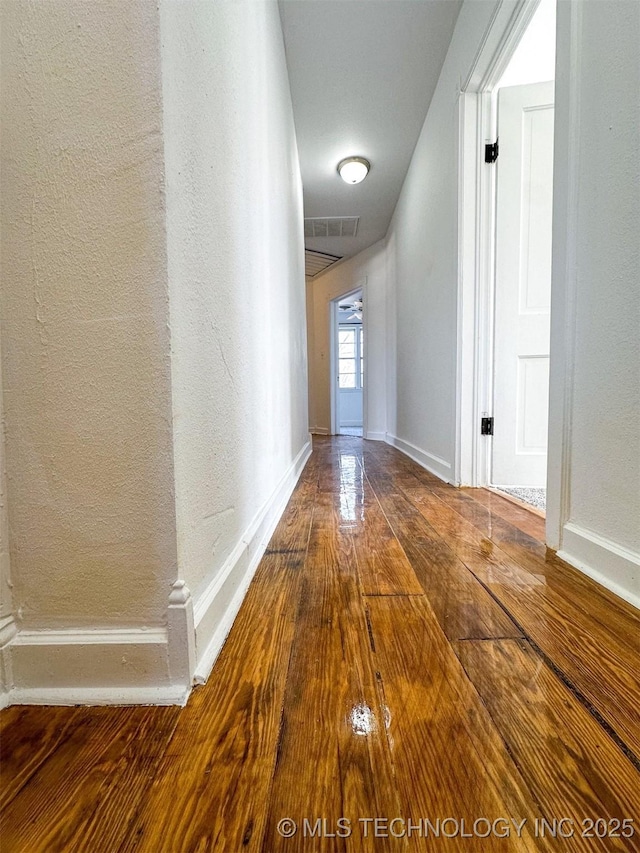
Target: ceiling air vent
315	262
331	226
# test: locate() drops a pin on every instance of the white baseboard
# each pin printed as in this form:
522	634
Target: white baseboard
112	666
375	436
607	563
434	464
319	430
169	695
216	608
94	667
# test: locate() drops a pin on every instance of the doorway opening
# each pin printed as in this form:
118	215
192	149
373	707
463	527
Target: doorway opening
522	291
348	361
505	226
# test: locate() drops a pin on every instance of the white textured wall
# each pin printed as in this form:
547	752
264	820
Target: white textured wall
423	258
605	453
85	340
346	276
596	291
236	267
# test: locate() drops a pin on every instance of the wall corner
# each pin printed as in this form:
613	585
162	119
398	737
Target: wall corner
181	635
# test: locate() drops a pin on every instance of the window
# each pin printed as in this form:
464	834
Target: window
350	363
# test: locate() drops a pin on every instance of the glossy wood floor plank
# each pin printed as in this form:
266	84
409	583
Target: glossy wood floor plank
332	719
28	737
342	509
83	797
210	790
600	664
383	566
339	693
292	531
443	740
545	726
461	604
528	522
476	544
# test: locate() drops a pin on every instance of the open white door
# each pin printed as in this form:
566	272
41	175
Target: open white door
523	285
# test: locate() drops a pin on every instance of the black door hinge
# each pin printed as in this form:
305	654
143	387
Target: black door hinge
491	152
486	426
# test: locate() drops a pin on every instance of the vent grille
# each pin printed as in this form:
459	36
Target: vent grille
331	226
316	262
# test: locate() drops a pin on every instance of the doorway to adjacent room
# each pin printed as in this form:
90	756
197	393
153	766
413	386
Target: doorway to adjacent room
348	350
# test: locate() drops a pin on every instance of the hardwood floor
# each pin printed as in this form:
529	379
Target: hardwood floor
406	651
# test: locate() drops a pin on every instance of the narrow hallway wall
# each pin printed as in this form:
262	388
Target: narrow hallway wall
85	344
423	269
236	270
594	459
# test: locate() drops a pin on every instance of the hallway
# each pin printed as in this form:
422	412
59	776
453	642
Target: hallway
405	650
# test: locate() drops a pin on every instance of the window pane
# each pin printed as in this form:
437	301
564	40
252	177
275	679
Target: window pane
348	360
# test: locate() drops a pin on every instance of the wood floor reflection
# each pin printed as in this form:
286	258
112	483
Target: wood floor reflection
408	652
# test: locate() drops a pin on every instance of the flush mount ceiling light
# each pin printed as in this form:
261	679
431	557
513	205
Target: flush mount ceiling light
352	170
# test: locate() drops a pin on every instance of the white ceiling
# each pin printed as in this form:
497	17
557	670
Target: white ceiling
362	75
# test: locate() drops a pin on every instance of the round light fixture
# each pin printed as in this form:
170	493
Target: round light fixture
352	170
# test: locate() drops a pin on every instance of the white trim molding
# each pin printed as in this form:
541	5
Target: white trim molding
109	666
112	666
217	606
8	632
477	125
319	430
375	436
566	189
181	636
99	696
609	564
434	464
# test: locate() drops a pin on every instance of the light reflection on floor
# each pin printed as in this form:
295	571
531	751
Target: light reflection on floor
351	488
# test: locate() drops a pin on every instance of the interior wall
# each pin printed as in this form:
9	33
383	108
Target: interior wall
85	352
329	285
85	341
594	461
236	269
423	268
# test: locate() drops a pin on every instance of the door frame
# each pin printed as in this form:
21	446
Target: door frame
477	125
361	287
